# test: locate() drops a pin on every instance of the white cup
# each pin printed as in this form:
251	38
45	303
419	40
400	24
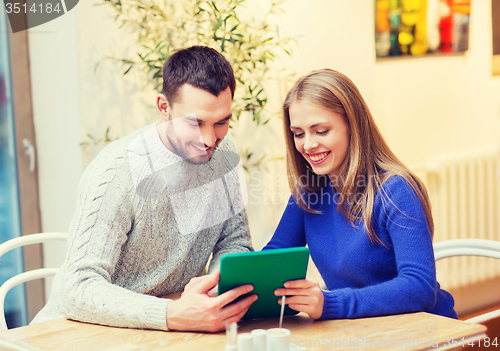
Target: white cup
245	342
278	339
259	339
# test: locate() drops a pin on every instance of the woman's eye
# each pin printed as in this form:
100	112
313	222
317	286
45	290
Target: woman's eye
322	132
298	135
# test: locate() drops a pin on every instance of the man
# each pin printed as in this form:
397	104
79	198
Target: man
153	206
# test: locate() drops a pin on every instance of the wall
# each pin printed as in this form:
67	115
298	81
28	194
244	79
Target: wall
56	113
109	98
424	106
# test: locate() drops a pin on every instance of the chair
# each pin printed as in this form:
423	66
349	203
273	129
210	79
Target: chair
26	276
469	247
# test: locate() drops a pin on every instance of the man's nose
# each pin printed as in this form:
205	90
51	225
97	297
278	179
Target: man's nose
208	137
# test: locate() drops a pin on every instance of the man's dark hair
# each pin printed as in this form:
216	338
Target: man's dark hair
199	66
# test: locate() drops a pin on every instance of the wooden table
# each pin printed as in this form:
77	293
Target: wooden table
415	331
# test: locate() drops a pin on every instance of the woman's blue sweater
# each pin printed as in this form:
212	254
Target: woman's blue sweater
367	279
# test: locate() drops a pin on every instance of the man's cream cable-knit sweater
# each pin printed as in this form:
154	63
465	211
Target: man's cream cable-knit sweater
146	222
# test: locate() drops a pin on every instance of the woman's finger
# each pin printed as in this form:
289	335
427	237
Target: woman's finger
301	283
311	305
299	299
292	292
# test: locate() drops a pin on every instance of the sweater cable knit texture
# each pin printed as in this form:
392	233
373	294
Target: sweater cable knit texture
146	222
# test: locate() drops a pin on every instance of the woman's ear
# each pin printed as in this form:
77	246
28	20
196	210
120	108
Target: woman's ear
163	106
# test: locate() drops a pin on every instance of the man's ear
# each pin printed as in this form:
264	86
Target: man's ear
163	106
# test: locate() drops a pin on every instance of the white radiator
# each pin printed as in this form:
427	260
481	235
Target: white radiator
465	194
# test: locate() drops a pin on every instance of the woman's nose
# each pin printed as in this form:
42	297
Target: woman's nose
310	144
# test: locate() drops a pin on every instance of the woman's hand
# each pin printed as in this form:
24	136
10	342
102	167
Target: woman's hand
303	295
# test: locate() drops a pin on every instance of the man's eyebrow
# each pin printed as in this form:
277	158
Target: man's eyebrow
191	117
228	117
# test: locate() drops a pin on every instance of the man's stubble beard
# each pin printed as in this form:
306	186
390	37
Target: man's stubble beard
182	152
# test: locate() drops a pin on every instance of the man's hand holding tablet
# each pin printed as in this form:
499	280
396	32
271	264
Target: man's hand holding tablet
197	310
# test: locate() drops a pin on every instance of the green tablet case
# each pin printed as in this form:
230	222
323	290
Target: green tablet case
266	271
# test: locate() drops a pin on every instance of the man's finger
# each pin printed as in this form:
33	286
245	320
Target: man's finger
206	283
192	283
238	307
236	318
213	291
234	312
233	294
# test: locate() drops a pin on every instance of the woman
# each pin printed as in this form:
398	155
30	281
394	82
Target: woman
365	217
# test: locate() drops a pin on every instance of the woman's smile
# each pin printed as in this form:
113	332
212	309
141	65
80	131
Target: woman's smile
318	158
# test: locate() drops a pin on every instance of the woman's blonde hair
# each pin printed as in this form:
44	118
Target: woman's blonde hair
369	161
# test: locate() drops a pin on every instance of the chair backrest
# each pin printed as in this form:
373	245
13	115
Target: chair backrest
26	276
469	247
466	247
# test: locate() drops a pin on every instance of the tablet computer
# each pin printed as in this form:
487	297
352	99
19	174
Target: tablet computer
266	271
